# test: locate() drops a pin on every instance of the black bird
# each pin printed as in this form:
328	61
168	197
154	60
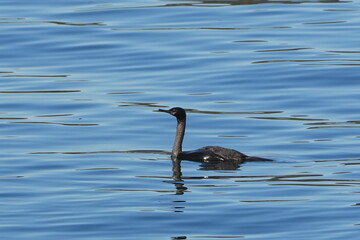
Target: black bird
206	154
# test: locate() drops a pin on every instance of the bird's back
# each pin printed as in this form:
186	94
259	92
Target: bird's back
213	154
226	154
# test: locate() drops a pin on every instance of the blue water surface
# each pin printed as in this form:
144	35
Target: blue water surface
85	155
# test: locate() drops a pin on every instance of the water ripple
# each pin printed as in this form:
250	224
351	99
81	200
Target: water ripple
86	156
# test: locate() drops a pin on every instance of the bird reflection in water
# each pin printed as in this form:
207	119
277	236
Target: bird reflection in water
177	174
177	177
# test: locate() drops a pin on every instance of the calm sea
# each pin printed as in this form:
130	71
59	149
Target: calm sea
84	154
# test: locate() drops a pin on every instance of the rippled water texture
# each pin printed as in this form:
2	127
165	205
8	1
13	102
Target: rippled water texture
85	155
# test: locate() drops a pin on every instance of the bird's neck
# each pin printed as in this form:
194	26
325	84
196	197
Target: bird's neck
180	132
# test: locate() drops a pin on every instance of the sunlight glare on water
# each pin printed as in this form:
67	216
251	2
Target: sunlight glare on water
86	155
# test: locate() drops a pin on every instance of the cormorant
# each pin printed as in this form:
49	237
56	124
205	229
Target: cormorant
206	154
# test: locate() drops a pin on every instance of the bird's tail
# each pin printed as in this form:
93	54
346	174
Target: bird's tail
258	159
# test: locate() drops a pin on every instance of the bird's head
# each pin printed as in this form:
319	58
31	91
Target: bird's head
177	112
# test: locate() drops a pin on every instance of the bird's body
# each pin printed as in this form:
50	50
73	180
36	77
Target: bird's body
213	154
206	154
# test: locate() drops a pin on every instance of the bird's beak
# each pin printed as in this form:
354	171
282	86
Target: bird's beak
164	110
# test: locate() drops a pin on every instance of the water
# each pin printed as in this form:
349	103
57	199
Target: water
85	156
